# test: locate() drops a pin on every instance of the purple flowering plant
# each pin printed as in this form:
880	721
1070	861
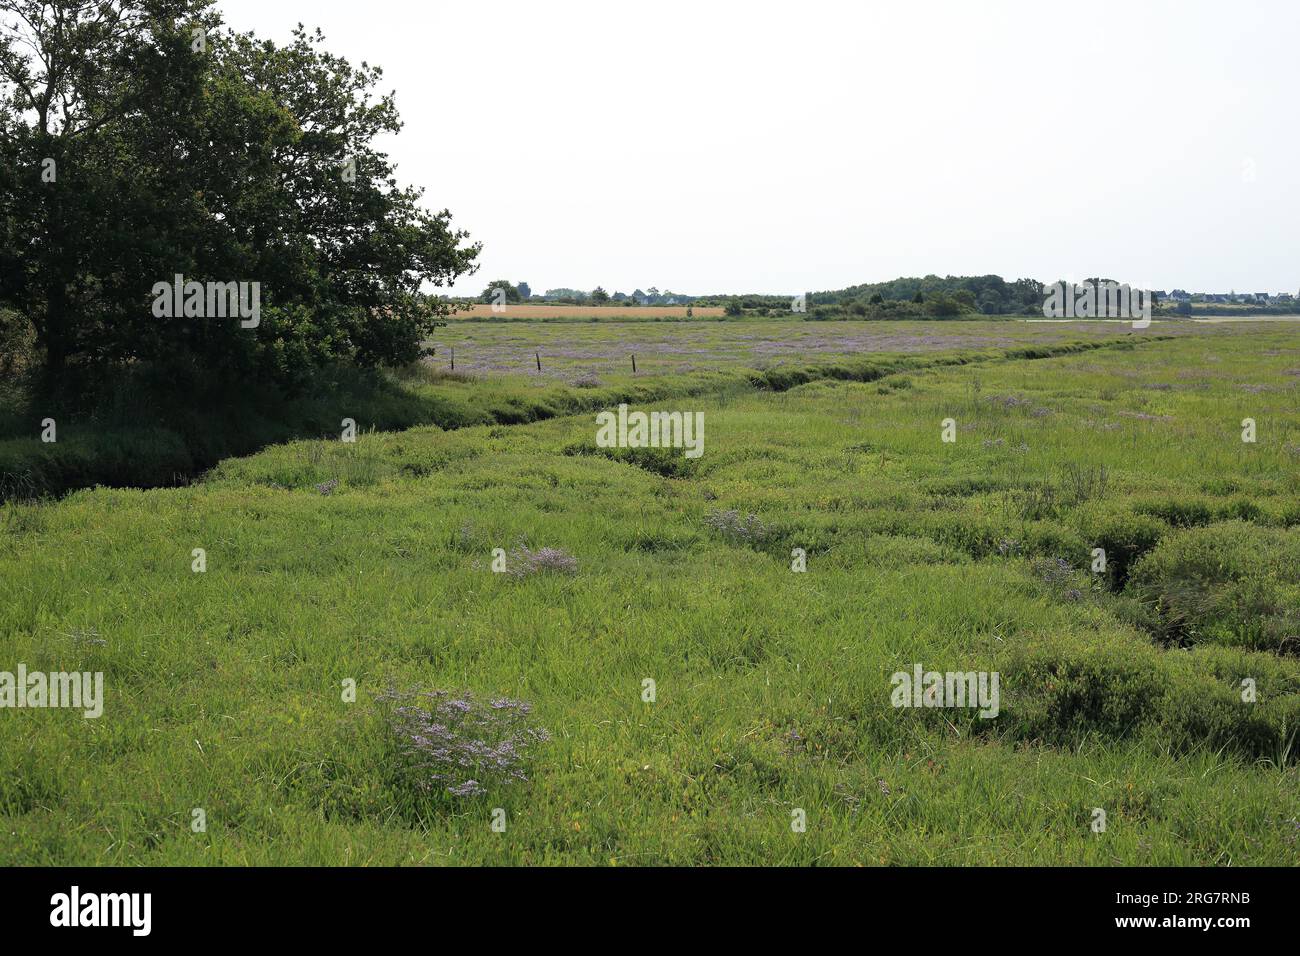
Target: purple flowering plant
524	562
455	742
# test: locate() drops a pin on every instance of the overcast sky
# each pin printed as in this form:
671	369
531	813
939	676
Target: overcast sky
785	147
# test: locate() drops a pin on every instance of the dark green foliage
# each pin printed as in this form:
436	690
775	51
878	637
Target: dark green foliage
1125	537
1231	583
512	293
217	157
1070	697
930	297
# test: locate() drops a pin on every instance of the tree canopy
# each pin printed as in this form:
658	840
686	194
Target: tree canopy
142	140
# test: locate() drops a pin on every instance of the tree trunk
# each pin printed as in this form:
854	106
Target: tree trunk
53	335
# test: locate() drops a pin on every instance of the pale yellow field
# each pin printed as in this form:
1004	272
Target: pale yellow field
516	311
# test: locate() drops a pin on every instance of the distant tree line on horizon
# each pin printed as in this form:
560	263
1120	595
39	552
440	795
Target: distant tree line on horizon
521	292
906	297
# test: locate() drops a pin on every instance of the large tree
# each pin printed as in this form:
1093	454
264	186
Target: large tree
494	289
140	140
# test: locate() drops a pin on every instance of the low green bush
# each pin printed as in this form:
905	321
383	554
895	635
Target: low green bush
1231	583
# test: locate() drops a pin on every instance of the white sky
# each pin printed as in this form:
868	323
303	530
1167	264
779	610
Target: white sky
784	147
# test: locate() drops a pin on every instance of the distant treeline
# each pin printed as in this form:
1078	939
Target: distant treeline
1212	309
908	297
505	291
987	295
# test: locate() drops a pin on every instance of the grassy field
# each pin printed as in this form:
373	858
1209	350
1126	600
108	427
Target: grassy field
602	351
136	433
372	562
517	312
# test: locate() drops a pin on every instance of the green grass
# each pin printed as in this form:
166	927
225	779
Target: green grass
145	433
1119	690
604	348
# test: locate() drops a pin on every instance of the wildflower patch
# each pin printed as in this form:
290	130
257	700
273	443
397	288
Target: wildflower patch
453	742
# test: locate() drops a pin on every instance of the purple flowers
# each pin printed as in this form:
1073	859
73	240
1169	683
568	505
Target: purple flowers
735	529
524	562
470	788
457	743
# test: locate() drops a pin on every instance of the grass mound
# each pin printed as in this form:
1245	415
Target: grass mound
1231	583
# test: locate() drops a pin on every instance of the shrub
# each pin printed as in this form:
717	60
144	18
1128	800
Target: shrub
735	529
524	562
1125	537
1232	583
666	462
1063	697
453	742
1180	512
1074	485
17	346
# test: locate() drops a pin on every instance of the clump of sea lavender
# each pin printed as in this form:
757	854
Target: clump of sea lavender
734	528
523	562
327	487
1054	570
1058	573
588	380
454	742
88	635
